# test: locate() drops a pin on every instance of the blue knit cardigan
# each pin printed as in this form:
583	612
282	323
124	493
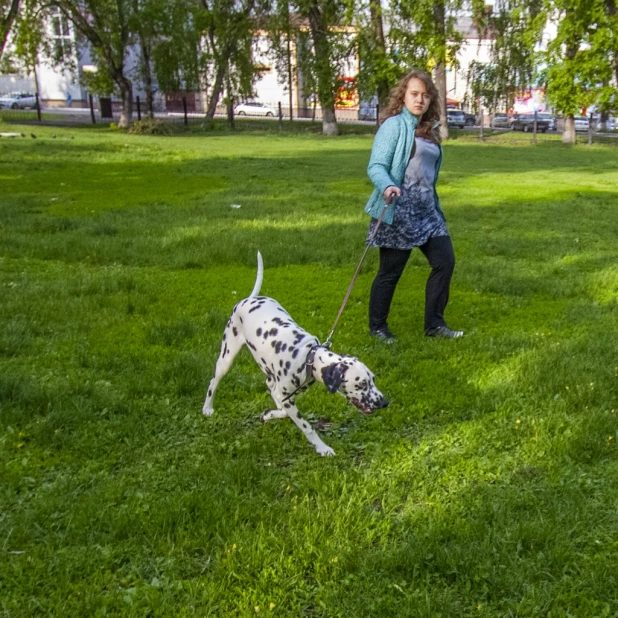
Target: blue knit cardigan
390	154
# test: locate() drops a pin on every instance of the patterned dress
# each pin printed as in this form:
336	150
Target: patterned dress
416	219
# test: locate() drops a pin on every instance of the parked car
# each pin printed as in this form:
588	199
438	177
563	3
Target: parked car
501	121
368	109
610	123
254	108
525	123
550	119
455	118
581	123
17	100
470	119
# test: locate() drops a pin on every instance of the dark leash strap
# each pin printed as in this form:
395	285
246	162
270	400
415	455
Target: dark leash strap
327	343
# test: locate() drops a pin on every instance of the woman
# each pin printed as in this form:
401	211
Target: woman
404	165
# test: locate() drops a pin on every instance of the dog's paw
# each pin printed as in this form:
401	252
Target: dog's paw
268	416
207	410
326	451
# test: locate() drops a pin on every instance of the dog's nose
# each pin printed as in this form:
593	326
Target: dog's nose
382	403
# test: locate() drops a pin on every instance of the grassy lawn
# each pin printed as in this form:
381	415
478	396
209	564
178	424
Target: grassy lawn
489	486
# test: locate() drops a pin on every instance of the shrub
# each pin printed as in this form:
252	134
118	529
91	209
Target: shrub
150	126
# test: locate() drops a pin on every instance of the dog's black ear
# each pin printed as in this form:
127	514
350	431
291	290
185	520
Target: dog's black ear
332	376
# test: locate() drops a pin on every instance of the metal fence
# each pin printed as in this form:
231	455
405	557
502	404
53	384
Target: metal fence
186	109
176	109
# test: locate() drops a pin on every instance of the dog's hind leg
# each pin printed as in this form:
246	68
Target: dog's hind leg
268	416
230	346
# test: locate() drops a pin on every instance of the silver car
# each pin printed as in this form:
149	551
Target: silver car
581	123
17	100
501	121
253	108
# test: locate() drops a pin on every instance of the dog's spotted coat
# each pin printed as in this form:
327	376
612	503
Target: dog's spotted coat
281	347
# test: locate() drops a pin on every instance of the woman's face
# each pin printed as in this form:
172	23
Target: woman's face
416	98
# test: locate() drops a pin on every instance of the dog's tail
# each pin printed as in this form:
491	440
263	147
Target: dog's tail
259	277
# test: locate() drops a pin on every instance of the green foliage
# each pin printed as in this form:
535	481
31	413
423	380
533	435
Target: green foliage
487	488
98	83
381	67
578	58
176	31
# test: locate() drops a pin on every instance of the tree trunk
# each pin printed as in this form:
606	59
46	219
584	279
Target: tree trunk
440	80
230	101
568	133
324	69
377	28
126	95
6	24
147	73
439	12
329	121
216	93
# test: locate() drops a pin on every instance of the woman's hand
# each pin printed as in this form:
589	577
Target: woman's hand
390	193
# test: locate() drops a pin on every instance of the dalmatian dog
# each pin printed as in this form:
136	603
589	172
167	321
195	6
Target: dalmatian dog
291	359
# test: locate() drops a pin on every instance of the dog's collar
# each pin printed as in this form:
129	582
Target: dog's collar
309	363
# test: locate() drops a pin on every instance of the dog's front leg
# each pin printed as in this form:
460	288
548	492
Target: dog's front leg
309	432
279	412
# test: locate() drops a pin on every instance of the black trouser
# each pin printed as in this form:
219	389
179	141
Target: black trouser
441	258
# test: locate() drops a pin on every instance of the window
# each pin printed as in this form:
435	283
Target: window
61	37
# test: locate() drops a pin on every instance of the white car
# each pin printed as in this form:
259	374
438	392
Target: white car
581	123
254	109
17	100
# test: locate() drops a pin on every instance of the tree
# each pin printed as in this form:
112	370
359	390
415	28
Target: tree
604	41
433	28
323	45
484	86
326	77
147	25
169	37
229	34
105	24
514	27
8	14
384	55
284	33
575	67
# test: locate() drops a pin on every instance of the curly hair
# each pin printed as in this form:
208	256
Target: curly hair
396	103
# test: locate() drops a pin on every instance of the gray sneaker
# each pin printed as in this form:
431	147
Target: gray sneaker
383	334
444	332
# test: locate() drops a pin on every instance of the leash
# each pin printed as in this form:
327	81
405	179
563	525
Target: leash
327	343
309	379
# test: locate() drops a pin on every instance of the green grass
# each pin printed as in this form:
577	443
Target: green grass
487	488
